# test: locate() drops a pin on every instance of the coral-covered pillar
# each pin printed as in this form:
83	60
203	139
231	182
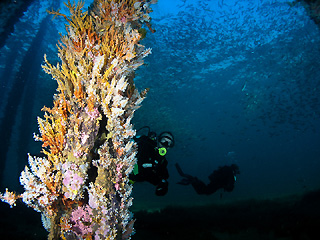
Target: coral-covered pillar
81	184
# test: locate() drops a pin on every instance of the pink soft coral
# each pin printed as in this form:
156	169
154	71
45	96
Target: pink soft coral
82	220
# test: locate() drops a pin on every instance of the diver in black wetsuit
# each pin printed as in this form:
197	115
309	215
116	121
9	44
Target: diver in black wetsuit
222	178
152	164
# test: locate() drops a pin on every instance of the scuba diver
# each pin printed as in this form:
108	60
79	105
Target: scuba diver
222	178
152	164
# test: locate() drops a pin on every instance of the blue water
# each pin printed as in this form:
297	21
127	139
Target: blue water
234	81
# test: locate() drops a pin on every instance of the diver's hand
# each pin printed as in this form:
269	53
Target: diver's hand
162	188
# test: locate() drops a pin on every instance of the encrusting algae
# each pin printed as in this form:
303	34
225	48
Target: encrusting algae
81	185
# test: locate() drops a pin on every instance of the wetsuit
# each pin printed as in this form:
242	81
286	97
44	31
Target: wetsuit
152	167
224	177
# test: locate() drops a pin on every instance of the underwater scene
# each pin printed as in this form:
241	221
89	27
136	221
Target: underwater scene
232	108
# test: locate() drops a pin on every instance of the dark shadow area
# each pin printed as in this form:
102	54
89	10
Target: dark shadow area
290	218
312	7
23	82
21	222
10	13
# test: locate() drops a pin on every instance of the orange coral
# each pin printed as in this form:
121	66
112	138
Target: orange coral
52	134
